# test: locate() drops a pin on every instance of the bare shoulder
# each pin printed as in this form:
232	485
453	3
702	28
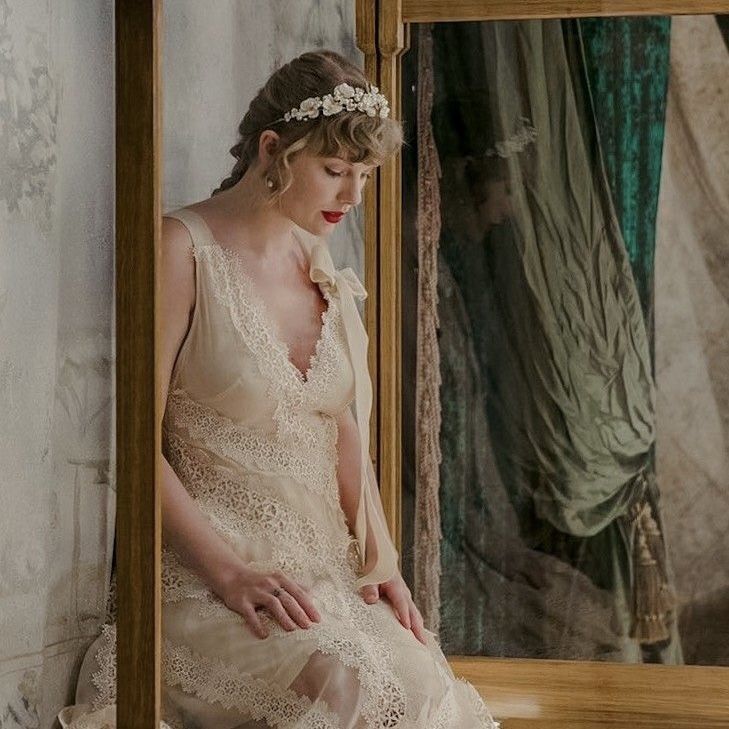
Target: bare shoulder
175	236
177	264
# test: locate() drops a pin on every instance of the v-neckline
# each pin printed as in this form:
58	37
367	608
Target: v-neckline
303	377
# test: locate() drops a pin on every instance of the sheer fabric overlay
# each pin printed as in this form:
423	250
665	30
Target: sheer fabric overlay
253	439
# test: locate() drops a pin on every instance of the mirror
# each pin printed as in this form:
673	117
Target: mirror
565	320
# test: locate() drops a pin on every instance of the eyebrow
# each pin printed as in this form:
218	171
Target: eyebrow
351	164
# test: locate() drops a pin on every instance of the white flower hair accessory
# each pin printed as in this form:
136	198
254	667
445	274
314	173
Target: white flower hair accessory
343	98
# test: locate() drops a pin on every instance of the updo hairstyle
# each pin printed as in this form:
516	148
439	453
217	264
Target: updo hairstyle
351	135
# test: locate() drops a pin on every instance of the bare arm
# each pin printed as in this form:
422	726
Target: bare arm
349	477
185	528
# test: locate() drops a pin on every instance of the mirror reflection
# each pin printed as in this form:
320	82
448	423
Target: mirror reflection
565	314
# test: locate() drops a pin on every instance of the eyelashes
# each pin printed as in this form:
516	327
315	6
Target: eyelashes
334	173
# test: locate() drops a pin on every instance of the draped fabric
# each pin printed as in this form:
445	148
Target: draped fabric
547	282
626	64
577	405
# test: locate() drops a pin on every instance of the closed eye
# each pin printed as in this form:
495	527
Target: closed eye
334	173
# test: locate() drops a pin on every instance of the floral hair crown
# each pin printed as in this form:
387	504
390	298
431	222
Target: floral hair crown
343	98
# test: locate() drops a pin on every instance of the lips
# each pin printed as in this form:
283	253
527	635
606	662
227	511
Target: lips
332	217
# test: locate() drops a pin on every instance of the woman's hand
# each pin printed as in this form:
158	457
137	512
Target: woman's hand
398	593
246	591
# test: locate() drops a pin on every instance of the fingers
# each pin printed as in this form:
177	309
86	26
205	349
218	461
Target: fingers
303	599
416	620
275	607
400	604
408	613
294	609
411	618
370	593
291	606
287	601
253	621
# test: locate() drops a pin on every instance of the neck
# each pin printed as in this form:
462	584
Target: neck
268	232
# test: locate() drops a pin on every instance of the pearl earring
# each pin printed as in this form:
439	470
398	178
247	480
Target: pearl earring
269	182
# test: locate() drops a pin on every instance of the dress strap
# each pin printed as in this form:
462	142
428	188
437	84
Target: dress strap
197	227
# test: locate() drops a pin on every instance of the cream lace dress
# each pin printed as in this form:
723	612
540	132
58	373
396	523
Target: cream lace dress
253	439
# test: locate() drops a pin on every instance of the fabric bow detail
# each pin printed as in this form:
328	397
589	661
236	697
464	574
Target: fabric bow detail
323	272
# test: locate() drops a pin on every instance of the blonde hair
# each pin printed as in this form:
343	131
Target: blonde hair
352	135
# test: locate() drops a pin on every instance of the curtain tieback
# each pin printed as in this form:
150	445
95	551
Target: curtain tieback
653	599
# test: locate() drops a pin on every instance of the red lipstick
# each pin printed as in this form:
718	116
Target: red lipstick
332	217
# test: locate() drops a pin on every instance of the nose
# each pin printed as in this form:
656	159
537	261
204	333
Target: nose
351	192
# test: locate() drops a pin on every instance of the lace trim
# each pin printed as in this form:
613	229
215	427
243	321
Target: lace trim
447	712
478	706
180	583
331	351
356	640
316	552
313	467
299	545
234	289
104	679
214	681
246	298
385	701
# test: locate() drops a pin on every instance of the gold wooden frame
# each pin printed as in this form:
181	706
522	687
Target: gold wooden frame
138	223
532	693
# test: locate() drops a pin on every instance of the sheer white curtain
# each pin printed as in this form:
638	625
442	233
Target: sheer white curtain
56	358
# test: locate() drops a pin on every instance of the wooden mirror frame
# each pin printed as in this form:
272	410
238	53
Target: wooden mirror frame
530	693
547	694
138	225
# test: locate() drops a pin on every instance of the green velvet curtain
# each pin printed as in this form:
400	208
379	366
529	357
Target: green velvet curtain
557	301
626	63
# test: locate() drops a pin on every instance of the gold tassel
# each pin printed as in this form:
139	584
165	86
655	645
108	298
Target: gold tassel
654	601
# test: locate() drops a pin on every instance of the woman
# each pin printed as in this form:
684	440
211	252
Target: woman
282	602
